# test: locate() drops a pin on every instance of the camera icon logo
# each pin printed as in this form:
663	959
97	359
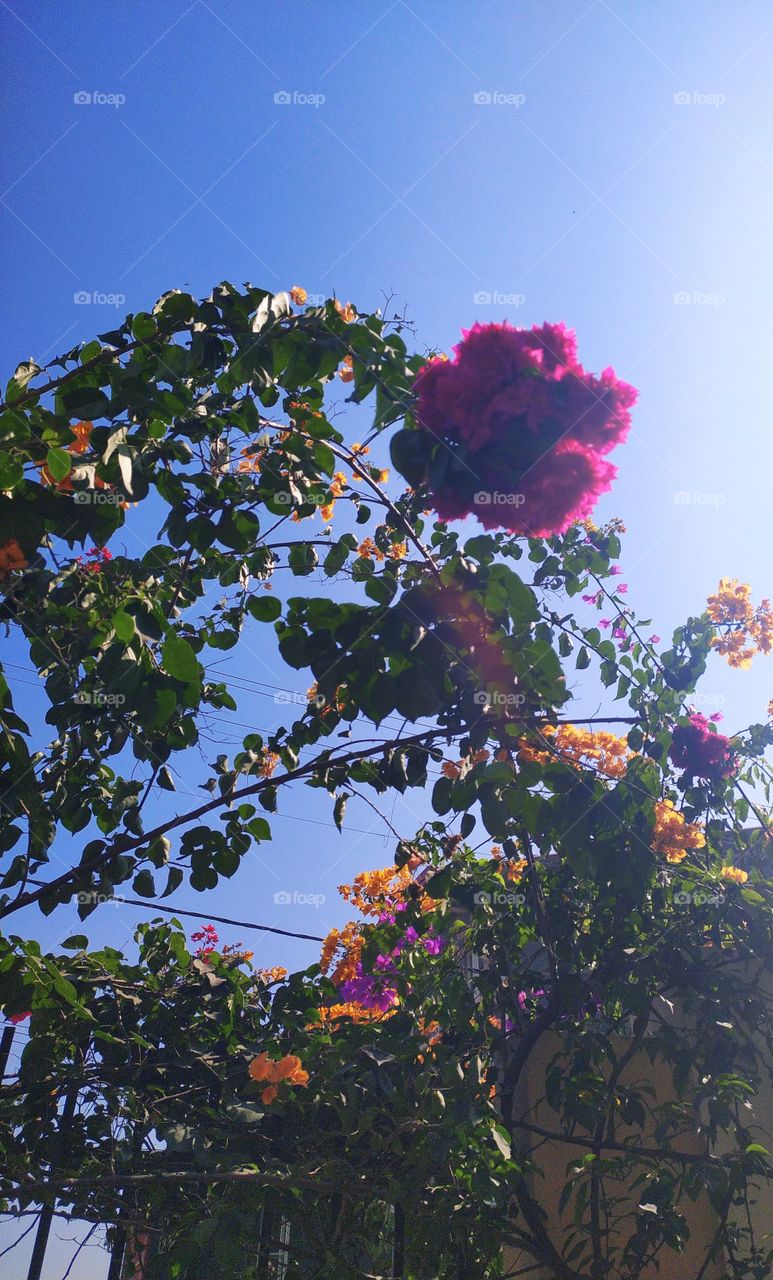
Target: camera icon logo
81	495
481	897
82	297
81	98
682	98
682	899
482	498
682	498
282	97
482	99
283	897
482	298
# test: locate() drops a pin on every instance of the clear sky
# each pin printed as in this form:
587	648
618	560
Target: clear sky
605	163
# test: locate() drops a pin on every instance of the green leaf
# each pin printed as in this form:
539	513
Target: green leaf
303	560
502	1139
264	608
11	472
123	625
179	659
59	463
144	884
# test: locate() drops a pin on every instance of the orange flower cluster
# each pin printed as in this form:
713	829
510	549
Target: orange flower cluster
336	487
672	835
349	943
11	557
298	294
371	889
346	310
275	974
275	1072
268	763
346	372
750	630
455	768
399	551
316	698
368	550
602	751
355	1012
250	460
734	874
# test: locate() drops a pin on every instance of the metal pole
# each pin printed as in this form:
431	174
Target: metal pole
6	1041
117	1254
47	1211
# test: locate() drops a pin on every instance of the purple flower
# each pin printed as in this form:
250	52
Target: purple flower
717	716
385	964
365	990
410	934
654	640
619	633
605	622
622	588
615	571
434	946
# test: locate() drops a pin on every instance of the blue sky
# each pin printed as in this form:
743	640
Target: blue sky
614	172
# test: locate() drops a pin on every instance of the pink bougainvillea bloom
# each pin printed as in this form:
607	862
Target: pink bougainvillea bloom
524	424
700	751
622	588
615	571
654	640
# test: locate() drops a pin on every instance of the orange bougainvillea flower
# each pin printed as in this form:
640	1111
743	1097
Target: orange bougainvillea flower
672	835
11	557
298	294
346	372
287	1070
292	1071
346	310
261	1068
734	874
82	432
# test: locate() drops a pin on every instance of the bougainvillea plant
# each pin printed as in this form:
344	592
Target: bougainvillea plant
586	908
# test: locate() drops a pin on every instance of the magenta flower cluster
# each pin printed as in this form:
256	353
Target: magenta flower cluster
700	751
525	425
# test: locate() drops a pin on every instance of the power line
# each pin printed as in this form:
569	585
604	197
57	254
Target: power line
200	915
